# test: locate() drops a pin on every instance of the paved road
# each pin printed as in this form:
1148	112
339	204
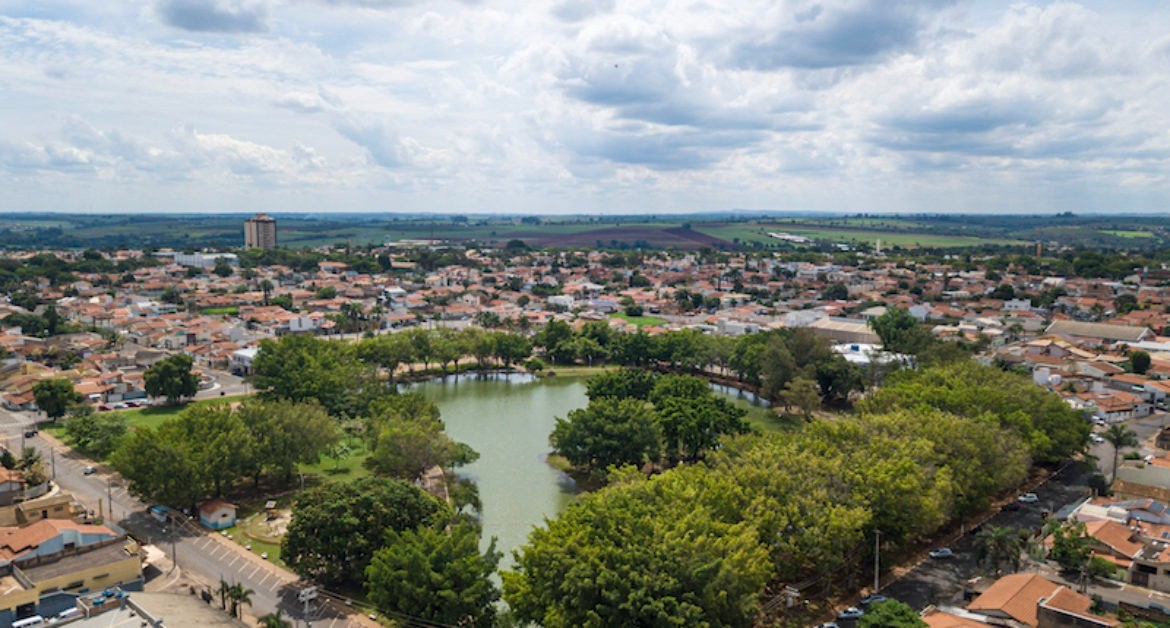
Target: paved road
197	553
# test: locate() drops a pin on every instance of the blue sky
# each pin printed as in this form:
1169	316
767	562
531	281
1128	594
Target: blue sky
572	106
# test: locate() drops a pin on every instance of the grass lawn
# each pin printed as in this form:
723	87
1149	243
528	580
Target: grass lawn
1121	233
347	469
640	321
580	371
230	310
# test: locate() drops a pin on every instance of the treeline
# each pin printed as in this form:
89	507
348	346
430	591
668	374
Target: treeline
700	541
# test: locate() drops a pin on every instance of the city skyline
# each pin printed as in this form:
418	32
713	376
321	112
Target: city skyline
583	107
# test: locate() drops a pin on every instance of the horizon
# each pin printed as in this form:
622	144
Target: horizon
579	107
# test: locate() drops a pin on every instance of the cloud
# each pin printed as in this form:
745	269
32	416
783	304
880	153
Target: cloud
844	34
382	143
578	10
215	16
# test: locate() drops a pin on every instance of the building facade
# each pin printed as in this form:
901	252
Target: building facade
260	232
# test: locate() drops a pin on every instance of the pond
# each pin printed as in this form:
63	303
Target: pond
507	418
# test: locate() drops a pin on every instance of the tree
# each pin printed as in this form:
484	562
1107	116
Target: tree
300	367
692	426
436	575
1139	361
621	384
54	396
900	332
836	292
1071	547
1119	436
171	377
266	288
285	434
802	392
672	550
336	528
222	269
96	434
408	448
275	620
239	596
890	613
995	545
608	432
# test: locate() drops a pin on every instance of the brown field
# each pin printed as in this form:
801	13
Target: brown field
676	237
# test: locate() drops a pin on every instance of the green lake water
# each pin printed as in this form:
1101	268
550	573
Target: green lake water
507	419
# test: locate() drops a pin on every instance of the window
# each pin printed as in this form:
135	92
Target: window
74	585
1147	569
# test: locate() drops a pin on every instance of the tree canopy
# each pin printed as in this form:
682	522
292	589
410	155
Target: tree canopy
171	377
336	528
54	396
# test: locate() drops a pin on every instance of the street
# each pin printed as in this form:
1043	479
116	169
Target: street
197	553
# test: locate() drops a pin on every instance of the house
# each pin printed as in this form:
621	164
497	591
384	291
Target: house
241	361
1099	331
217	514
1033	600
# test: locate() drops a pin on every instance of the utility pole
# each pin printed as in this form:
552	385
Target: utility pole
877	560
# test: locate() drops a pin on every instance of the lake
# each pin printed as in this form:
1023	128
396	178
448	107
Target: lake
507	418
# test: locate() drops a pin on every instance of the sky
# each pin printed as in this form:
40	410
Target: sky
574	106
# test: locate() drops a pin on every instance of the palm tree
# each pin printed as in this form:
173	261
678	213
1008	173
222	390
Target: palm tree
1119	436
266	287
275	620
223	591
997	544
239	596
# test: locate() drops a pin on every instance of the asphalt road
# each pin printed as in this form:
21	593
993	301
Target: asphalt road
197	553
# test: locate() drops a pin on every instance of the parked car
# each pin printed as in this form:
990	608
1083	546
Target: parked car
850	613
30	432
942	552
89	470
1028	498
1096	438
1011	506
828	624
132	404
873	598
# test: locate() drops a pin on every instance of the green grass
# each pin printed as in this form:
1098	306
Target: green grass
153	416
347	469
229	310
563	372
640	321
1122	233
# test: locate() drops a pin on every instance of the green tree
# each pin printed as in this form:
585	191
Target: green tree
54	396
995	545
285	434
900	332
803	394
1119	436
240	596
692	426
672	550
608	432
435	575
171	377
836	292
407	449
890	613
96	434
1071	547
1139	361
337	527
275	620
621	384
300	368
222	269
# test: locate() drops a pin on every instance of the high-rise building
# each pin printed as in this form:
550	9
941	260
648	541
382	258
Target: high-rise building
260	232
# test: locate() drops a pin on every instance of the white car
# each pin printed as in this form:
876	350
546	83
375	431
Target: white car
1096	438
850	613
1028	498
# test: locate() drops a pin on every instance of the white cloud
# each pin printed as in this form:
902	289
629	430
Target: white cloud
586	106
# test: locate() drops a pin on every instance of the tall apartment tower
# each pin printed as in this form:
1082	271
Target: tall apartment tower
260	232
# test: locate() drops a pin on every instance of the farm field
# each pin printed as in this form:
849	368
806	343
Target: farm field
758	233
1123	233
